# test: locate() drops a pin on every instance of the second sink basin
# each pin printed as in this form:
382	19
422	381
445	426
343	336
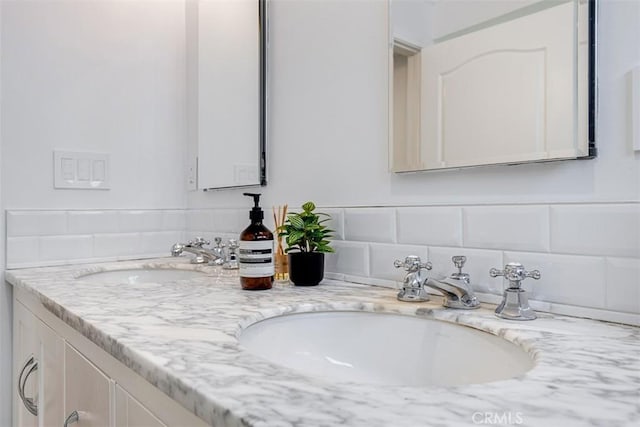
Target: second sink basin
141	275
382	348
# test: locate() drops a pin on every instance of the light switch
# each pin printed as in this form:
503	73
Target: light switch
84	169
81	170
98	171
68	169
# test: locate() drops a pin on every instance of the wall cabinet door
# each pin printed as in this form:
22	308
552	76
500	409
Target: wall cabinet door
38	370
87	391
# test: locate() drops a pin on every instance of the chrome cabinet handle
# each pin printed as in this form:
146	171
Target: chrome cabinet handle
72	418
29	402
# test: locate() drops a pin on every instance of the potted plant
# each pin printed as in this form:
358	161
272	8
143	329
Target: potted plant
307	242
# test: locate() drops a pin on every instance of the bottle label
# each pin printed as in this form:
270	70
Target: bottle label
256	258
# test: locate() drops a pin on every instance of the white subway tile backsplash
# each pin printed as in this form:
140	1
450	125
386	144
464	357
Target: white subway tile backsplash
623	284
200	219
370	225
478	264
36	223
137	221
612	229
22	250
507	227
234	220
565	279
336	223
588	254
116	245
349	258
434	226
382	257
174	220
92	222
158	242
58	248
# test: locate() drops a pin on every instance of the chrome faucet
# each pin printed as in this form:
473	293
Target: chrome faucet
413	288
456	287
515	304
196	247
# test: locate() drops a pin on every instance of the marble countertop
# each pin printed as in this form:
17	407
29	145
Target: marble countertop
182	337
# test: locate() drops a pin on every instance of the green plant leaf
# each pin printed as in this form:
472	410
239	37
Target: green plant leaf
308	207
297	222
295	236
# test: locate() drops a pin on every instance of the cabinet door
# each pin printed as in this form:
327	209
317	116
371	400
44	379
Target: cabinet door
87	391
131	413
25	348
41	379
51	376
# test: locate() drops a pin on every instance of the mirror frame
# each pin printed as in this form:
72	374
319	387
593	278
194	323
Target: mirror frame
263	30
592	97
263	34
592	76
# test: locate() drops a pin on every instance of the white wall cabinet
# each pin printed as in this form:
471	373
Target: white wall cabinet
59	372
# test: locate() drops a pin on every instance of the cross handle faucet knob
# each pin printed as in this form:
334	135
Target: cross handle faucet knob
412	264
198	242
515	273
459	261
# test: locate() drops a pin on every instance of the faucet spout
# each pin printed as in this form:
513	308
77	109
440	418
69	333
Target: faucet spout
202	255
457	292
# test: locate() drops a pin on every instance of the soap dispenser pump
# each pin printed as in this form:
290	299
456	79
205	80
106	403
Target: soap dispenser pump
256	251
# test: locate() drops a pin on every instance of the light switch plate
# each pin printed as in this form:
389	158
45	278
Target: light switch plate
80	170
192	174
635	107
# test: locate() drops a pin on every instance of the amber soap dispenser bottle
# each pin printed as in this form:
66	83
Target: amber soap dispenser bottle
256	251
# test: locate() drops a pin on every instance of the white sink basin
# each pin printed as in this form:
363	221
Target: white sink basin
141	275
381	348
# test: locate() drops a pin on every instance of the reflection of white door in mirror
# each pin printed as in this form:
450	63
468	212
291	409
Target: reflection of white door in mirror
226	75
488	85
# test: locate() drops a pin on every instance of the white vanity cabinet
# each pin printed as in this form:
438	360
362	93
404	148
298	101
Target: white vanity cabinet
58	373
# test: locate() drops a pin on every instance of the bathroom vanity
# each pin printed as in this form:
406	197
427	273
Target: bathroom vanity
166	352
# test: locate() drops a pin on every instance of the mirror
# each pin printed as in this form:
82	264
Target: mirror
484	82
226	66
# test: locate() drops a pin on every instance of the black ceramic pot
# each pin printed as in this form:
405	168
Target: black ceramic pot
306	268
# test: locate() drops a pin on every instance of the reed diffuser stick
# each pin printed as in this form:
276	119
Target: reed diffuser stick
281	262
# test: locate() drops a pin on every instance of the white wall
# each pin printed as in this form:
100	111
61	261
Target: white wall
105	76
100	76
6	296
